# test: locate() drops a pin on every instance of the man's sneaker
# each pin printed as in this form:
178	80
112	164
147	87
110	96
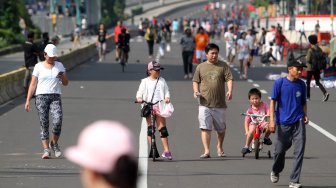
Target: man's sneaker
326	97
274	177
190	75
167	155
46	154
294	185
56	149
267	141
245	150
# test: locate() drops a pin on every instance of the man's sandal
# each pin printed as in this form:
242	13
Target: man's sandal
221	154
205	156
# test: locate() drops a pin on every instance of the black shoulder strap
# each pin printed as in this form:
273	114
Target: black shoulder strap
155	88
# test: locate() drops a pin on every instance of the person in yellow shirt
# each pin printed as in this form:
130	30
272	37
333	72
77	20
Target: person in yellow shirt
54	21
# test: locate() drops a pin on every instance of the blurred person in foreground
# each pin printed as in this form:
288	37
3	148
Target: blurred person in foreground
105	152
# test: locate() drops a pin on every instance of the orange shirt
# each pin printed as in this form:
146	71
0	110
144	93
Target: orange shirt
117	31
201	41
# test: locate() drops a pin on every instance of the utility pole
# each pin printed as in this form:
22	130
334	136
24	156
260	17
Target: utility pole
332	18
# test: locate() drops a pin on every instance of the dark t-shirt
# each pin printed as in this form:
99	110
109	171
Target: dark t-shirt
102	36
30	54
123	41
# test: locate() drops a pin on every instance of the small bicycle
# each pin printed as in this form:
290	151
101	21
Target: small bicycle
258	142
153	150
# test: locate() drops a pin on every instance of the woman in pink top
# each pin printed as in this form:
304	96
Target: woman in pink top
257	106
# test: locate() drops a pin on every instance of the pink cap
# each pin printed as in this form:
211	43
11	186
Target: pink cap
100	145
154	65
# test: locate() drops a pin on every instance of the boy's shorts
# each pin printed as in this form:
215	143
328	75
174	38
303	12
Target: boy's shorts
263	124
212	118
200	54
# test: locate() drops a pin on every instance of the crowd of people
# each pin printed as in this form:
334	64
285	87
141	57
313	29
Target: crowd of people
208	83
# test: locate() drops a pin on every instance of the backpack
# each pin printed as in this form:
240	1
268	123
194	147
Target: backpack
319	60
151	34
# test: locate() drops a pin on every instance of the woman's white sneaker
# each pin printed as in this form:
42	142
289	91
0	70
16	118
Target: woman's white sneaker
46	154
56	149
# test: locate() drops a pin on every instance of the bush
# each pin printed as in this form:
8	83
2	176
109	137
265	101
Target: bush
9	37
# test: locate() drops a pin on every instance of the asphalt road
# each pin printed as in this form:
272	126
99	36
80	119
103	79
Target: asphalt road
99	90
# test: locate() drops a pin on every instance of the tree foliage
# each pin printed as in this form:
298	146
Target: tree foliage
10	13
112	11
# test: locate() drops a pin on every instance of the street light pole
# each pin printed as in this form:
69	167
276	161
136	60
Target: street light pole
332	17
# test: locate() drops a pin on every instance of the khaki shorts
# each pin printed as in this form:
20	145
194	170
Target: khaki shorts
212	118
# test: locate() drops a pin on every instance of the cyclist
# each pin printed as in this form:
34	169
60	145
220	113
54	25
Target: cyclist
154	88
257	106
123	43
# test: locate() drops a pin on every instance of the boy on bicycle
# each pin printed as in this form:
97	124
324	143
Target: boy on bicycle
258	107
123	43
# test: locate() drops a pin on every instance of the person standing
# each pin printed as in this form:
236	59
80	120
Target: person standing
30	56
202	39
289	98
48	76
312	70
188	48
106	154
209	84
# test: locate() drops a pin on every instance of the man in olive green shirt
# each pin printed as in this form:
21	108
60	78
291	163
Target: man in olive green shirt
209	84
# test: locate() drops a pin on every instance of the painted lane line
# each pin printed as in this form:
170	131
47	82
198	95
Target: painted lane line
143	158
323	131
256	85
250	80
263	91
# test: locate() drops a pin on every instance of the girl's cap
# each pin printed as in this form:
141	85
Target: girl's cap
100	145
153	65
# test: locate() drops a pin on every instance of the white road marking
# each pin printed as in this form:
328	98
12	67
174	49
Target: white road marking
250	80
263	91
256	85
143	158
323	131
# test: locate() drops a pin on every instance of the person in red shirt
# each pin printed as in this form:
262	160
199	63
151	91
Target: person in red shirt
117	31
280	40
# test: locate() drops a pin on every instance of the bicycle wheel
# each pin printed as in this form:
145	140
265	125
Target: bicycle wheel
256	150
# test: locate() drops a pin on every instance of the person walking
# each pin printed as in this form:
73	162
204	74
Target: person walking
202	39
48	76
150	36
152	89
230	45
312	70
243	55
188	44
101	42
117	32
161	39
289	97
209	84
106	154
31	52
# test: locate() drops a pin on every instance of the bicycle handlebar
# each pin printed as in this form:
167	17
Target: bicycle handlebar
149	103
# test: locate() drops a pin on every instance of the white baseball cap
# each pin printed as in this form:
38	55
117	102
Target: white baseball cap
100	145
51	50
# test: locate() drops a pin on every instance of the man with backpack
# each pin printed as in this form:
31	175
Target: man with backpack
316	61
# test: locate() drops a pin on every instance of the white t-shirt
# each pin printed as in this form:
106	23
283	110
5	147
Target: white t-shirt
150	90
47	81
243	46
250	40
229	39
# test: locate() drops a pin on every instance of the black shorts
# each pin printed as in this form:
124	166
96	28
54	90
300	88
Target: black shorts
252	52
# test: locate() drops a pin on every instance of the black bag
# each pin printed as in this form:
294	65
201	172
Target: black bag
145	111
319	60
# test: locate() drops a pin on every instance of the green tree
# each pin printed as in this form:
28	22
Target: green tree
10	13
112	11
